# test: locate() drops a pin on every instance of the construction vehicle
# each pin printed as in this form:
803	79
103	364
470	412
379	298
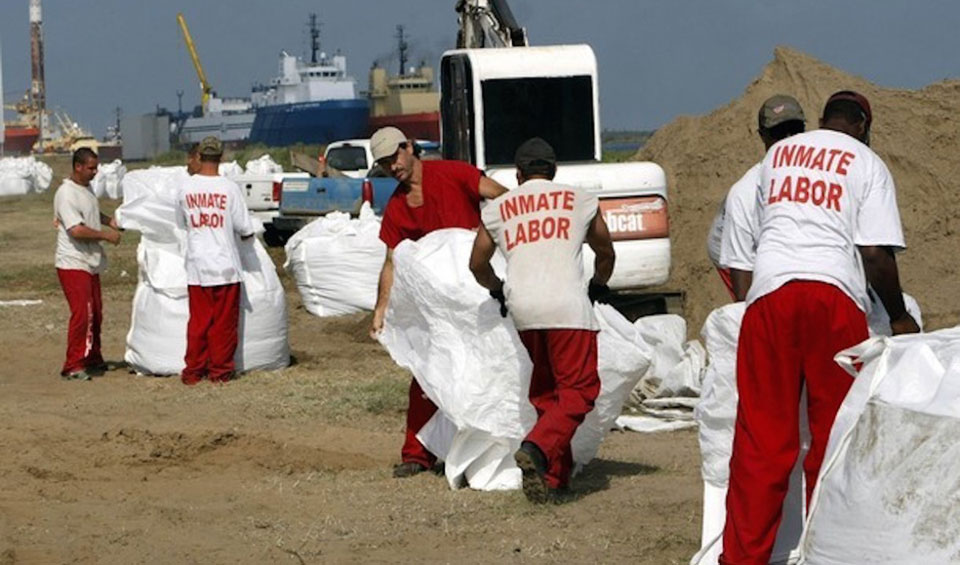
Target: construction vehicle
496	92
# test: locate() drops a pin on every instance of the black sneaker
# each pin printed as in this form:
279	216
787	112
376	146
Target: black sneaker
76	376
533	465
408	469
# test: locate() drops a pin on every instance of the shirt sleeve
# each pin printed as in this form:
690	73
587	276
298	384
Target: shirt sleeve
66	209
741	224
238	212
878	220
469	177
390	233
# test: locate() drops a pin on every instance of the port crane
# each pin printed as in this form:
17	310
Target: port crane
205	89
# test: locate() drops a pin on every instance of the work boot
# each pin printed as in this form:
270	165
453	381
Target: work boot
408	469
533	464
190	380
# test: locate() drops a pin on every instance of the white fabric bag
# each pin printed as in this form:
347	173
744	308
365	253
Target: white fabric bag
263	165
889	488
336	262
107	182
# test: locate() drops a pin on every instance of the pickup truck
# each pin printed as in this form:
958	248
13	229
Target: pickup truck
262	196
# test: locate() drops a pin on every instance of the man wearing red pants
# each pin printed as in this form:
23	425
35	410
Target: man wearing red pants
827	200
431	195
212	210
79	261
541	227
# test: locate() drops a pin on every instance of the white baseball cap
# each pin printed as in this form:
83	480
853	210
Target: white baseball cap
385	141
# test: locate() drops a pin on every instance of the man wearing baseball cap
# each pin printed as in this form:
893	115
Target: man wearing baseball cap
735	226
826	201
544	293
212	210
431	195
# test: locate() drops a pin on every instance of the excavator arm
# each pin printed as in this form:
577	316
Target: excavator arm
488	23
205	87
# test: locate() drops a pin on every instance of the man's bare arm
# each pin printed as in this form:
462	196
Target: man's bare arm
80	231
483	249
383	293
108	221
598	238
490	189
880	265
741	281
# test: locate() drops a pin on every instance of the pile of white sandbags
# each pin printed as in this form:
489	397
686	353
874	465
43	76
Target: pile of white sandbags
24	175
107	182
156	342
230	169
889	487
263	165
470	362
336	262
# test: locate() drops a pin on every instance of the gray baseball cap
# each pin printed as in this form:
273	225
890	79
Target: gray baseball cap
385	141
778	109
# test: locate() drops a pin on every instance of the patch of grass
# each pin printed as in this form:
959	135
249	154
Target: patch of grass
39	278
379	396
618	156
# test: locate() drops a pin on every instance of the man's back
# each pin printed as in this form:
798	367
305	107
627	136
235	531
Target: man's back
823	193
540	227
212	210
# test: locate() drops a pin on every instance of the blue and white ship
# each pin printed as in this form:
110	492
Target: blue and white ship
307	102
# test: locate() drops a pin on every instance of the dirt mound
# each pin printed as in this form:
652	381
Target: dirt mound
915	131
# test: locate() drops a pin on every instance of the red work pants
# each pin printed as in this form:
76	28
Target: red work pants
82	290
419	411
787	337
212	332
563	388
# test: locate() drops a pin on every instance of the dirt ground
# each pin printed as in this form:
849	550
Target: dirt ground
285	467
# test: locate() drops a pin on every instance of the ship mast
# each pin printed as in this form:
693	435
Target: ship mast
38	92
402	48
314	38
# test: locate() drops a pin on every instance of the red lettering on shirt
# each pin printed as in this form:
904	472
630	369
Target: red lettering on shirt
803	156
563	228
802	191
818	161
833	197
785	189
568	199
818	192
844	162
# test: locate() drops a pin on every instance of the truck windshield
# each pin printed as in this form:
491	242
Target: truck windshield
558	109
347	158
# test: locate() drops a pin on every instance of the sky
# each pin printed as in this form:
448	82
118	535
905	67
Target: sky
657	58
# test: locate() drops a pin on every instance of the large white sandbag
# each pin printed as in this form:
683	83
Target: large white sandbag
23	175
263	165
676	369
106	184
468	359
622	358
889	487
230	169
336	262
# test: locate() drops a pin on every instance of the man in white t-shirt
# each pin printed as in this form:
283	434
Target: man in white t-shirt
735	229
80	260
212	210
541	227
825	195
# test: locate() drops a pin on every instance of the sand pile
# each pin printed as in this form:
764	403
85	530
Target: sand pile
917	133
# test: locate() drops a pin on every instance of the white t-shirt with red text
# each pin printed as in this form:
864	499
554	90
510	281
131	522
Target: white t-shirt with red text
822	194
213	211
540	227
738	234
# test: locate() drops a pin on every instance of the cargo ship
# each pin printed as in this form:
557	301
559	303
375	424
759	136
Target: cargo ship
312	101
408	100
18	139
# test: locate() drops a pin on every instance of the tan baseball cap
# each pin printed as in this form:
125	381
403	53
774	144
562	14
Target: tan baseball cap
778	109
210	146
385	141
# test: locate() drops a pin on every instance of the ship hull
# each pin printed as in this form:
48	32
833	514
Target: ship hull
425	125
310	122
19	140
